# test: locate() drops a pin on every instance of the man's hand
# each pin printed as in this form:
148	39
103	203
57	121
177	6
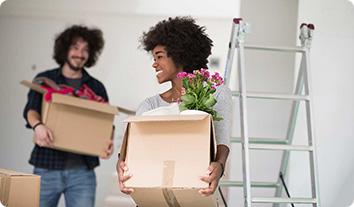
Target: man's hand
122	169
212	177
43	136
109	150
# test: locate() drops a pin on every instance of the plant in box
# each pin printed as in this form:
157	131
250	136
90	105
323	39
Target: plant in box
199	88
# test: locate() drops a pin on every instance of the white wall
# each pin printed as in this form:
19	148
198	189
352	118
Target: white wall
26	38
332	71
206	8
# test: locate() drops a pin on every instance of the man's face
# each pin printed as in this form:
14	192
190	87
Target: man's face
78	54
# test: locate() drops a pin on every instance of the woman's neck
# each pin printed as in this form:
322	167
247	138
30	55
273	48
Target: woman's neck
174	93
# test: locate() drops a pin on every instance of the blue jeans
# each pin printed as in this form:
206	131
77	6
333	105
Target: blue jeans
77	185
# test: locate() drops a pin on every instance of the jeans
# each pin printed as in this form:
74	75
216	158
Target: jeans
77	185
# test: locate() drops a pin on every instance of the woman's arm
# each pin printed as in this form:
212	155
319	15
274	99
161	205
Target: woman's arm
222	135
122	168
215	171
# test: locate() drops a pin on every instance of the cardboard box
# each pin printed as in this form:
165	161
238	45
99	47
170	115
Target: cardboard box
166	156
19	189
78	125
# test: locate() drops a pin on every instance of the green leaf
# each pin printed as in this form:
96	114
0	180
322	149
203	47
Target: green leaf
217	118
211	101
188	98
182	107
185	83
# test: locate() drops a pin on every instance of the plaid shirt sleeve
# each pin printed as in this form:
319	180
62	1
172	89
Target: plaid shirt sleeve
34	102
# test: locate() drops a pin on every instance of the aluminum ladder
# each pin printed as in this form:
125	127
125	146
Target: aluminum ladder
239	30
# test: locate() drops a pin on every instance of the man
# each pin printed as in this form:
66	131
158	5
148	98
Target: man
63	172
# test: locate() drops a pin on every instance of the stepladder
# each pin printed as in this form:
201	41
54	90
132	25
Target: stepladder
301	94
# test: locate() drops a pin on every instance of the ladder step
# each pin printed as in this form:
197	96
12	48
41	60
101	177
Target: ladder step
273	96
254	184
283	200
258	140
279	49
280	147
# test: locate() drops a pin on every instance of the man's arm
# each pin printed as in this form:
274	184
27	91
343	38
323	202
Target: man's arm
110	149
43	135
33	117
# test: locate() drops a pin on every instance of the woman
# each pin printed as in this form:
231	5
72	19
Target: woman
177	45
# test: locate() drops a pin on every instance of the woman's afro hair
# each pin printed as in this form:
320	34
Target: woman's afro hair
185	42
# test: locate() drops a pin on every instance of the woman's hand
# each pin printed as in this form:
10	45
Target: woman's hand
213	175
122	170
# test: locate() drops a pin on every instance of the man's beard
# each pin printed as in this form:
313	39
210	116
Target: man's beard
72	67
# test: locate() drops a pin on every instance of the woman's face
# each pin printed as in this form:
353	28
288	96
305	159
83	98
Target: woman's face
166	69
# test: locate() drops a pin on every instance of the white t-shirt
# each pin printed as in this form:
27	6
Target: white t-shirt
223	108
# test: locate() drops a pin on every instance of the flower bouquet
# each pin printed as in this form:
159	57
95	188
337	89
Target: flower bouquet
199	88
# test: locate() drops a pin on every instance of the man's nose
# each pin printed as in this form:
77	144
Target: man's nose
81	53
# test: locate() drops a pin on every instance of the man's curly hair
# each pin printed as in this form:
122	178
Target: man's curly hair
63	41
186	43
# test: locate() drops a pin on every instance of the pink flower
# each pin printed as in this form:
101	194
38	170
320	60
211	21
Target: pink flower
191	75
205	73
217	79
181	75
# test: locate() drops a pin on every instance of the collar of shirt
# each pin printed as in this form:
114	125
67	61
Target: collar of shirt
85	76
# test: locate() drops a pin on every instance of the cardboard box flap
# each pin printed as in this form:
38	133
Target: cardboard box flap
164	118
33	86
70	100
123	146
4	172
83	103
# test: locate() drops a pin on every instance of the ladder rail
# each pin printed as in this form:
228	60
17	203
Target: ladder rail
310	131
244	127
230	54
291	126
303	81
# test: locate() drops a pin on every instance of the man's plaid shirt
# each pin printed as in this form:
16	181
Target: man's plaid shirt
50	158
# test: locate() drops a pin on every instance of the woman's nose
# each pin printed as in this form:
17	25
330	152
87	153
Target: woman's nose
154	64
